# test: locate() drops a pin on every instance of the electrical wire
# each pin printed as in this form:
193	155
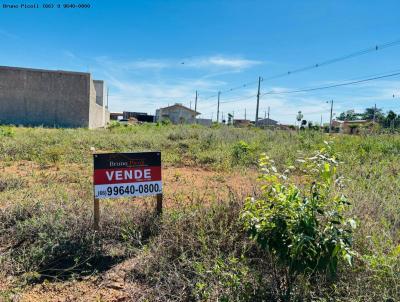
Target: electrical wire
332	86
317	65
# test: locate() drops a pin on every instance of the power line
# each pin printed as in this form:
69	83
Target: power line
320	64
240	87
238	99
333	86
337	59
241	98
233	100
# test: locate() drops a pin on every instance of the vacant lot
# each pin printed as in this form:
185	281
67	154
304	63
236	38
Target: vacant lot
198	250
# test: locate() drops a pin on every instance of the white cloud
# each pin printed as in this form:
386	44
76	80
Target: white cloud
147	84
148	96
212	62
148	64
222	62
141	85
69	54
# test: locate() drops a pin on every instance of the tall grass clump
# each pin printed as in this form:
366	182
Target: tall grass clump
55	239
202	254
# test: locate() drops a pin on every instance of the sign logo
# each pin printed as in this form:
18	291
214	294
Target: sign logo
127	174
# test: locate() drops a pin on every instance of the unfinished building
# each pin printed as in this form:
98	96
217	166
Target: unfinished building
34	97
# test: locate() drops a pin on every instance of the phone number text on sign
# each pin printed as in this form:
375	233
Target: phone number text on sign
126	190
127	174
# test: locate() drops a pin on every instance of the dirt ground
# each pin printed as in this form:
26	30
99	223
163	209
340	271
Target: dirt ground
179	183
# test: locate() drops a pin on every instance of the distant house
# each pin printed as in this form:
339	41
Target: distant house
336	124
267	122
139	116
177	114
285	127
241	123
350	127
204	121
115	116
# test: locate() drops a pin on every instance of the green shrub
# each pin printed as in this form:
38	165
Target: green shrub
53	154
113	125
242	154
6	131
166	122
303	227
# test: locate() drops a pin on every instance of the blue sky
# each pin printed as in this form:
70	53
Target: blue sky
155	53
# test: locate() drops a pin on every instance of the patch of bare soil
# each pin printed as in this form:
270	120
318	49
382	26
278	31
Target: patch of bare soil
195	183
179	184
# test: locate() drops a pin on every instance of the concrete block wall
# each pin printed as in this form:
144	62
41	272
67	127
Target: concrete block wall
101	92
35	97
41	97
99	116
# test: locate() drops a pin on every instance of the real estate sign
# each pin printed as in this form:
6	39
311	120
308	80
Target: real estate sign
127	174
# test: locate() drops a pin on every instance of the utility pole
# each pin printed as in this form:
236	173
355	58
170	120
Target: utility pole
219	93
330	119
245	117
195	107
190	104
265	114
374	113
320	125
268	117
195	102
258	100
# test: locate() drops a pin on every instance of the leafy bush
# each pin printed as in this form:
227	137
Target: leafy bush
53	154
166	122
243	153
113	125
7	131
303	227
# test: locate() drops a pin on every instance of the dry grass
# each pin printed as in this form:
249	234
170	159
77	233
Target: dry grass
199	251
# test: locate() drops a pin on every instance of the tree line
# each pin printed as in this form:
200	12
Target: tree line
387	120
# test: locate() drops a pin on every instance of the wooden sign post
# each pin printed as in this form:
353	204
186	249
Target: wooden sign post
119	175
96	214
159	205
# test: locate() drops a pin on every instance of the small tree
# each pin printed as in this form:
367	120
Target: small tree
349	115
304	229
391	116
369	114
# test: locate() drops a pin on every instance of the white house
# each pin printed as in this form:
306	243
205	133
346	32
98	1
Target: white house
177	114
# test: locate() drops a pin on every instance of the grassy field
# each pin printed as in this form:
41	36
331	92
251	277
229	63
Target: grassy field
198	250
